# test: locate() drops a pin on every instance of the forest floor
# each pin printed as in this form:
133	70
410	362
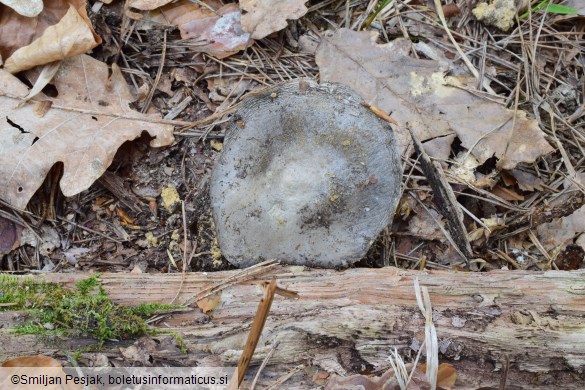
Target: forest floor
520	183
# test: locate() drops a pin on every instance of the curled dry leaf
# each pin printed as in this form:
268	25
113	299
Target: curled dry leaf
62	30
28	8
387	381
86	124
417	92
263	17
221	34
214	30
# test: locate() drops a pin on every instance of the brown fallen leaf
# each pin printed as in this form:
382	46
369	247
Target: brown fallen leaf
146	5
221	34
263	17
527	181
87	122
62	30
10	234
571	258
417	92
214	29
446	375
557	234
177	13
28	8
209	303
506	193
387	381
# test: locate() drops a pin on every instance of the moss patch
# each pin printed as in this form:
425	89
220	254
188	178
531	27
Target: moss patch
85	311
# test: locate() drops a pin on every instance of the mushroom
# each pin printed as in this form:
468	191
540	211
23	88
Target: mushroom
307	175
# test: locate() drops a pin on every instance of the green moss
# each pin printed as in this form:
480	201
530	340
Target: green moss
85	311
149	309
179	339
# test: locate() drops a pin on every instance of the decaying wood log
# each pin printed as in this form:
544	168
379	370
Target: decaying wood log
348	321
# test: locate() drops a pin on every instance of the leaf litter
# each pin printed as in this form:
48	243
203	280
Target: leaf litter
521	204
86	123
493	162
60	31
418	93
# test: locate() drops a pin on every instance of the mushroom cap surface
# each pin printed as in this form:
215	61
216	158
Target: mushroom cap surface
307	175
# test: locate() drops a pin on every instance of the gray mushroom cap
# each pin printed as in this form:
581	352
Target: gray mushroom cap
307	175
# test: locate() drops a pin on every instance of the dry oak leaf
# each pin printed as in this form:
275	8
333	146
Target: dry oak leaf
27	8
87	122
417	92
263	17
62	30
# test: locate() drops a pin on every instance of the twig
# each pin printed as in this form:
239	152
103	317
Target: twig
255	332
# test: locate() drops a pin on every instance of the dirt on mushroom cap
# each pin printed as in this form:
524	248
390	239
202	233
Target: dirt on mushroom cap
307	175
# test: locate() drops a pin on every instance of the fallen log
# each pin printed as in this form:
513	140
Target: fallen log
346	322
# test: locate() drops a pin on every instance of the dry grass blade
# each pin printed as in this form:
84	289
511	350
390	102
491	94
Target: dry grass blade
432	344
400	371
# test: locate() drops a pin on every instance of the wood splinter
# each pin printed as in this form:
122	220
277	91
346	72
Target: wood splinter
269	289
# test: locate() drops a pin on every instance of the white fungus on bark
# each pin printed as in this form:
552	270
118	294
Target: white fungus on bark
307	175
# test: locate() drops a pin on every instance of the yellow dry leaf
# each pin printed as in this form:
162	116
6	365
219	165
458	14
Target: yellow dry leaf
17	31
209	303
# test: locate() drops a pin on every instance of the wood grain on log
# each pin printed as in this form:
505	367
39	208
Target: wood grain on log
348	321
